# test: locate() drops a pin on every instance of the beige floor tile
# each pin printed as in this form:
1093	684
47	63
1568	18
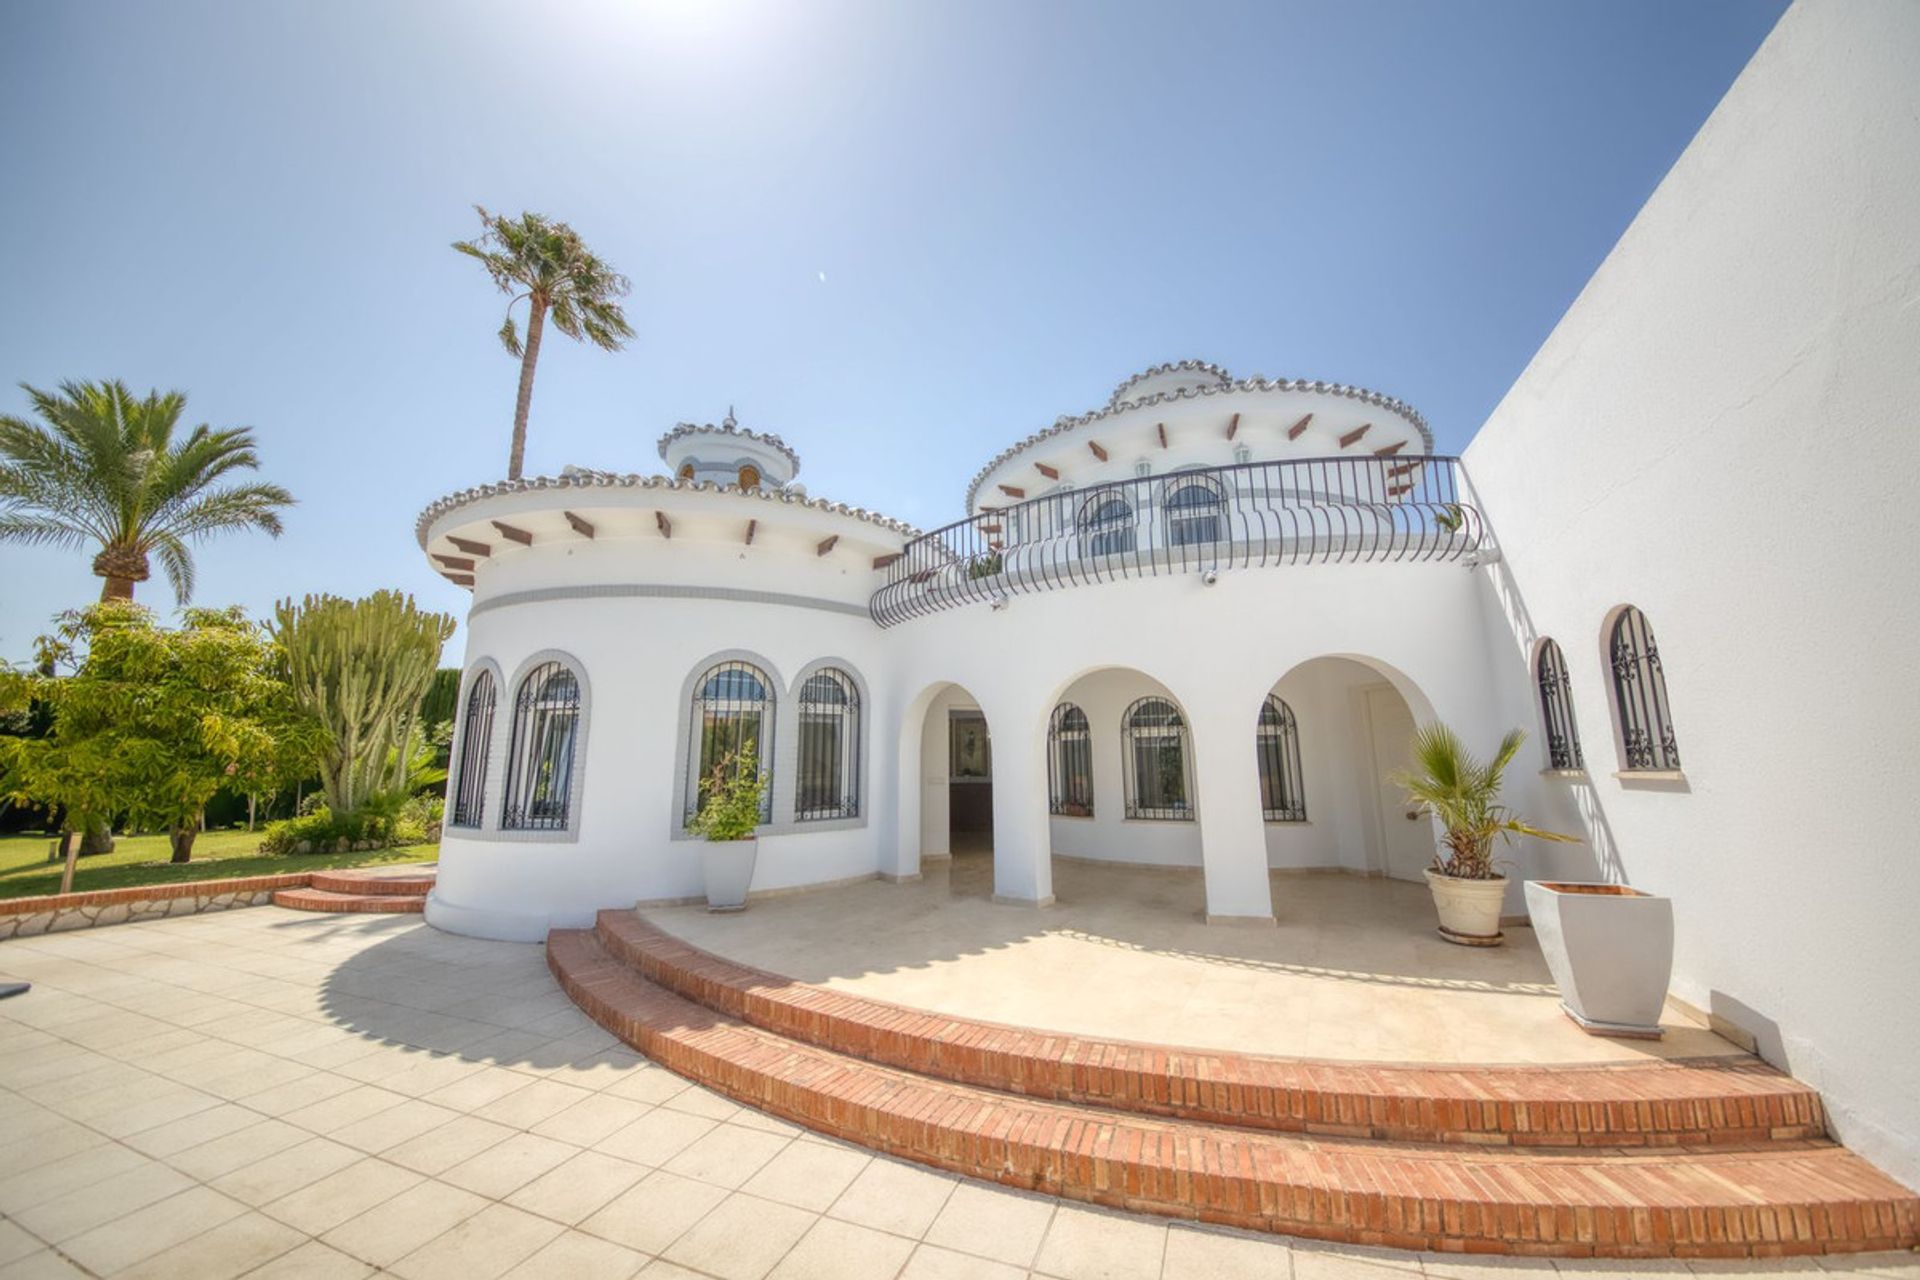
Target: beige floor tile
16	1242
342	1110
44	1265
82	1169
470	1092
533	1102
389	1128
86	1207
389	1231
501	1170
129	1238
190	1131
1316	1261
233	1248
890	1195
993	1222
238	1149
485	1246
460	1138
578	1187
588	1121
931	1263
1454	1267
648	1083
727	1156
808	1175
703	1102
655	1137
741	1239
311	1087
312	1261
1195	1253
1088	1244
661	1269
835	1250
655	1212
286	1171
344	1194
577	1256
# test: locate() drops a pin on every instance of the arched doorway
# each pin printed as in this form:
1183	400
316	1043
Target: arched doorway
946	779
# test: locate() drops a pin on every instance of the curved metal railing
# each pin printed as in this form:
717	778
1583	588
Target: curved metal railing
1303	511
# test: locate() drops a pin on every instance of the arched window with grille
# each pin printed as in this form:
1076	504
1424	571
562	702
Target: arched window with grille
1283	794
1556	708
827	781
1106	526
540	753
1647	741
1153	737
1069	762
749	476
733	707
1193	508
476	737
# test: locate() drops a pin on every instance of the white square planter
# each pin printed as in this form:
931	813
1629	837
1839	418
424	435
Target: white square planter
1610	949
728	868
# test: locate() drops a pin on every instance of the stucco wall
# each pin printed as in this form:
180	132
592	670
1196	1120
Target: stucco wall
1722	431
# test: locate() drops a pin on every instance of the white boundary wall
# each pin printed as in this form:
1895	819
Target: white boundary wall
1725	431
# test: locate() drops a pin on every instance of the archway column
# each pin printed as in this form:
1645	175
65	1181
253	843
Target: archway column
1022	827
1233	836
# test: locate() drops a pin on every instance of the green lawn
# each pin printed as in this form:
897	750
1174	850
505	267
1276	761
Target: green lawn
217	855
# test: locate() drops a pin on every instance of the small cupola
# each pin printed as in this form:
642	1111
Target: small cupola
728	454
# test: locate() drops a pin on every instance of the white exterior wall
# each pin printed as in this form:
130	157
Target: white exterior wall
1723	431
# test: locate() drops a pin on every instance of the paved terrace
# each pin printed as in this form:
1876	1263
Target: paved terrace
279	1094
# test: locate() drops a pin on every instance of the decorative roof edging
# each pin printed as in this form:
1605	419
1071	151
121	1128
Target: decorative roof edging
1067	423
609	480
728	428
1171	366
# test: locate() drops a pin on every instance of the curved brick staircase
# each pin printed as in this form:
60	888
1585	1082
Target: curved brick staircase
1701	1158
370	891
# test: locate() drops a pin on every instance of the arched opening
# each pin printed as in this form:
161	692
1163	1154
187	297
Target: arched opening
1329	736
946	783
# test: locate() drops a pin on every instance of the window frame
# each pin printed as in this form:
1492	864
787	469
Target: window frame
1277	751
1553	689
518	794
845	716
1642	711
473	754
1069	763
765	734
1135	737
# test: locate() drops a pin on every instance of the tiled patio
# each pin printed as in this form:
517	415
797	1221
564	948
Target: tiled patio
270	1093
1353	970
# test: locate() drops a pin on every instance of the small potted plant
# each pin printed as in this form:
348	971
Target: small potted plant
730	798
1464	793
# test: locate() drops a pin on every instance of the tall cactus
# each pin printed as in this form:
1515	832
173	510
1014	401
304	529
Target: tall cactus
361	666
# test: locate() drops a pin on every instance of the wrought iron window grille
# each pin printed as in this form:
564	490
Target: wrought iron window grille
1556	709
546	722
1069	763
733	705
827	777
1640	696
476	736
1157	761
1283	792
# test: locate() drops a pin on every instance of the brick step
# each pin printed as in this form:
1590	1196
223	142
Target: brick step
1806	1197
329	900
405	886
1732	1101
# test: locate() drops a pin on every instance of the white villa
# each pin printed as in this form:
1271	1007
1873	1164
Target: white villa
1195	625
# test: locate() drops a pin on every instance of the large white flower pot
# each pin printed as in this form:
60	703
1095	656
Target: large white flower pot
1610	949
1469	909
728	865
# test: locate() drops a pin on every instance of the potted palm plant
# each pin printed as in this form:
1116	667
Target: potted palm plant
1464	794
730	797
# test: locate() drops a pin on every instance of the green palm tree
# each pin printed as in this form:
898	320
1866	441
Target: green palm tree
105	469
1464	793
547	264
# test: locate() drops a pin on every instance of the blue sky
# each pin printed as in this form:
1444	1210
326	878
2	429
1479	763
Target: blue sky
901	235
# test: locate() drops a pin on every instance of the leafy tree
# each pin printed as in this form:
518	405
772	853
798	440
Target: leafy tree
152	722
361	668
103	468
546	263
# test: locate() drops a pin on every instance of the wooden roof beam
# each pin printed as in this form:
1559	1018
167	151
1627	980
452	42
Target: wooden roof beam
454	562
1390	450
1013	492
1051	473
826	545
1294	431
460	579
580	526
1233	426
512	534
665	525
1098	452
1161	427
471	547
1355	434
751	526
881	562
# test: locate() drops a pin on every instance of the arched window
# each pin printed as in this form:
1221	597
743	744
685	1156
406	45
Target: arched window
1153	738
686	471
546	720
1193	508
1283	795
827	784
732	708
1106	526
1556	708
1069	762
476	735
1640	695
749	476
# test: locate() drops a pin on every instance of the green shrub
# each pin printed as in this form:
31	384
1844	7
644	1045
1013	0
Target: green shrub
730	798
384	821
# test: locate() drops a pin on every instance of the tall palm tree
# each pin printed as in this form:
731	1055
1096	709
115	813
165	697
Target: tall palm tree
547	264
105	469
